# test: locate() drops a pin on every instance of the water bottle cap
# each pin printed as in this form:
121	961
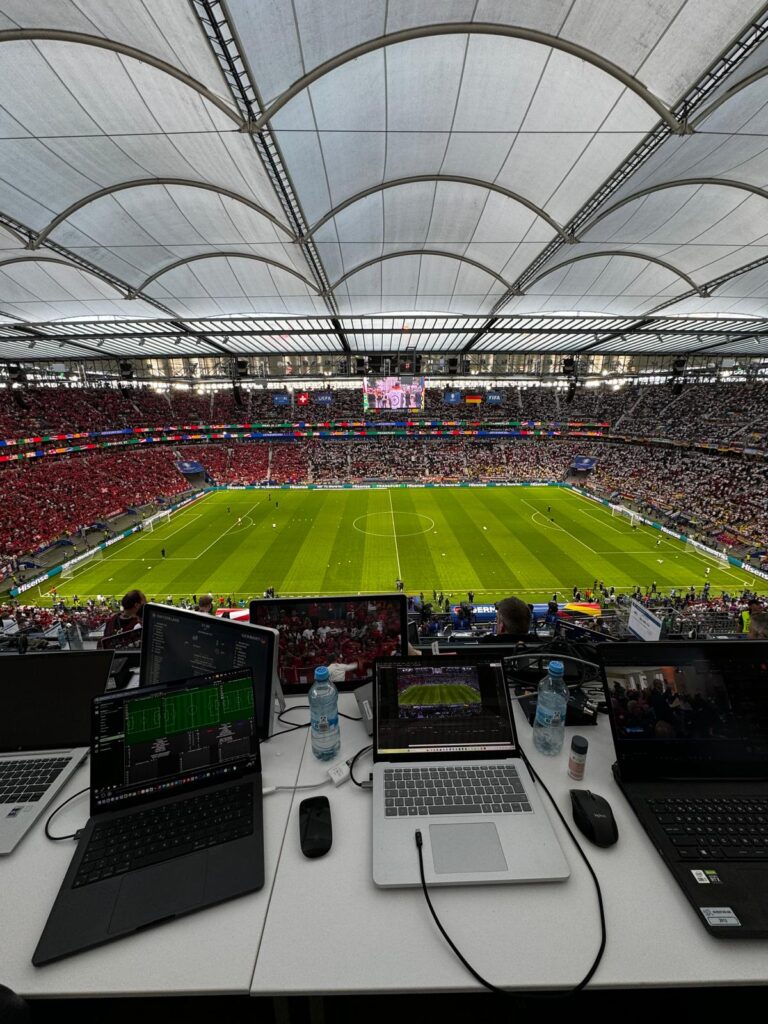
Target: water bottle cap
321	674
556	668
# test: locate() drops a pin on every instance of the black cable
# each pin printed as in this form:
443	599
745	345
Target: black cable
56	810
487	984
362	750
293	728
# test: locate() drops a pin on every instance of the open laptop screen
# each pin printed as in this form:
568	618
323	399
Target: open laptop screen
689	710
441	708
45	699
157	742
179	644
345	633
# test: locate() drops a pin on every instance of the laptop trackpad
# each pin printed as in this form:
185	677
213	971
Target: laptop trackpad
162	890
460	849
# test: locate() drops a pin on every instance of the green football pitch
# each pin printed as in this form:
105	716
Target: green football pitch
424	695
494	541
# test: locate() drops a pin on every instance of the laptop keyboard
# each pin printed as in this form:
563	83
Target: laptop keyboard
26	780
163	833
725	828
461	790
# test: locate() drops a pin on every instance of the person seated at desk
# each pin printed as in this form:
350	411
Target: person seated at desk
513	623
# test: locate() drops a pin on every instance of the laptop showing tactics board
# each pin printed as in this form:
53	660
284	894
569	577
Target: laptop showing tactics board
176	812
45	714
447	763
690	726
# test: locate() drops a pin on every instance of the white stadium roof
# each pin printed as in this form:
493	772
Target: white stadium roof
484	172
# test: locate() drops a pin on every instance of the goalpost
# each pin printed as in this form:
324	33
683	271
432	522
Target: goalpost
159	520
68	571
624	513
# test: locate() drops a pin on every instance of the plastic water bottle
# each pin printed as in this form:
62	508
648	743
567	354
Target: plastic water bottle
551	707
324	716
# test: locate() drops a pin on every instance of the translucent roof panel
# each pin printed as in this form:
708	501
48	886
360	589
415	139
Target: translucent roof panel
379	157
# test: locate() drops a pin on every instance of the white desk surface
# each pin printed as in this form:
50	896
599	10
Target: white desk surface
209	952
330	930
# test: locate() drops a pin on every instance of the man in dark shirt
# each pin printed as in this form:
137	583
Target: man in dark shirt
513	623
129	616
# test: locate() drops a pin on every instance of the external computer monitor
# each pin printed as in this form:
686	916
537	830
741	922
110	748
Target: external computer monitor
349	632
178	644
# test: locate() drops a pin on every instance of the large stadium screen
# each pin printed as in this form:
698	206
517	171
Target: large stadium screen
348	633
393	393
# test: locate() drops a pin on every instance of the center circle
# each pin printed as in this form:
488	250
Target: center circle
393	531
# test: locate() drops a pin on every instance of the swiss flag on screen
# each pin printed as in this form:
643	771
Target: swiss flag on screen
302	398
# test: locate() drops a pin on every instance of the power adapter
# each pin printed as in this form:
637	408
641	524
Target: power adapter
340	773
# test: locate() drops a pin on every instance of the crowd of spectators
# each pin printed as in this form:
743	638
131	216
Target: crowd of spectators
66	625
42	500
710	492
723	412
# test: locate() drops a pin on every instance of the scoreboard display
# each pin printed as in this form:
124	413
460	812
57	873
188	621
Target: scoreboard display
393	393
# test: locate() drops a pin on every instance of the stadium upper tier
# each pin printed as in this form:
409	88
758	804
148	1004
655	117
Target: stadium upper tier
734	413
723	497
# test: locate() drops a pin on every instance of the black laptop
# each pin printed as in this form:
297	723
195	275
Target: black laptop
176	811
690	725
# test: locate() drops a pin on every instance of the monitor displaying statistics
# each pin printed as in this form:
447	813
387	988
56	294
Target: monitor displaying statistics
393	393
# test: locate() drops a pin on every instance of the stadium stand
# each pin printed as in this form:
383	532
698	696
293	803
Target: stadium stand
724	497
734	412
45	499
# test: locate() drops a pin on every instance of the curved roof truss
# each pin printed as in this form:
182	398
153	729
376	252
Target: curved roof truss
415	178
14	234
680	183
64	263
616	252
145	183
729	94
84	39
420	252
221	255
473	28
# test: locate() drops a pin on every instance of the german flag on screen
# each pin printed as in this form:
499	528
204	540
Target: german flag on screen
473	399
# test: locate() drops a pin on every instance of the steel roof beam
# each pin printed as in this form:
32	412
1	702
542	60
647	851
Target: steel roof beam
63	263
729	94
222	255
145	183
472	28
415	178
662	186
420	252
615	252
83	39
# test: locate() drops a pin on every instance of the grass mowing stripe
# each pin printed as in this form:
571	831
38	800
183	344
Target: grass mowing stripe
294	557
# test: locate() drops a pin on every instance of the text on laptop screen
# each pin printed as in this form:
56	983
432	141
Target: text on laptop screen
347	634
149	744
182	645
442	710
710	704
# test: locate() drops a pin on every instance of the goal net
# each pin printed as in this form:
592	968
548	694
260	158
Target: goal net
159	520
618	511
68	571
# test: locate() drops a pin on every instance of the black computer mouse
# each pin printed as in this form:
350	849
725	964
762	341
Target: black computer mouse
593	817
315	832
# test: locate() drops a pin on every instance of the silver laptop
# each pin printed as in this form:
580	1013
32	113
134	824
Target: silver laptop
447	763
45	727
